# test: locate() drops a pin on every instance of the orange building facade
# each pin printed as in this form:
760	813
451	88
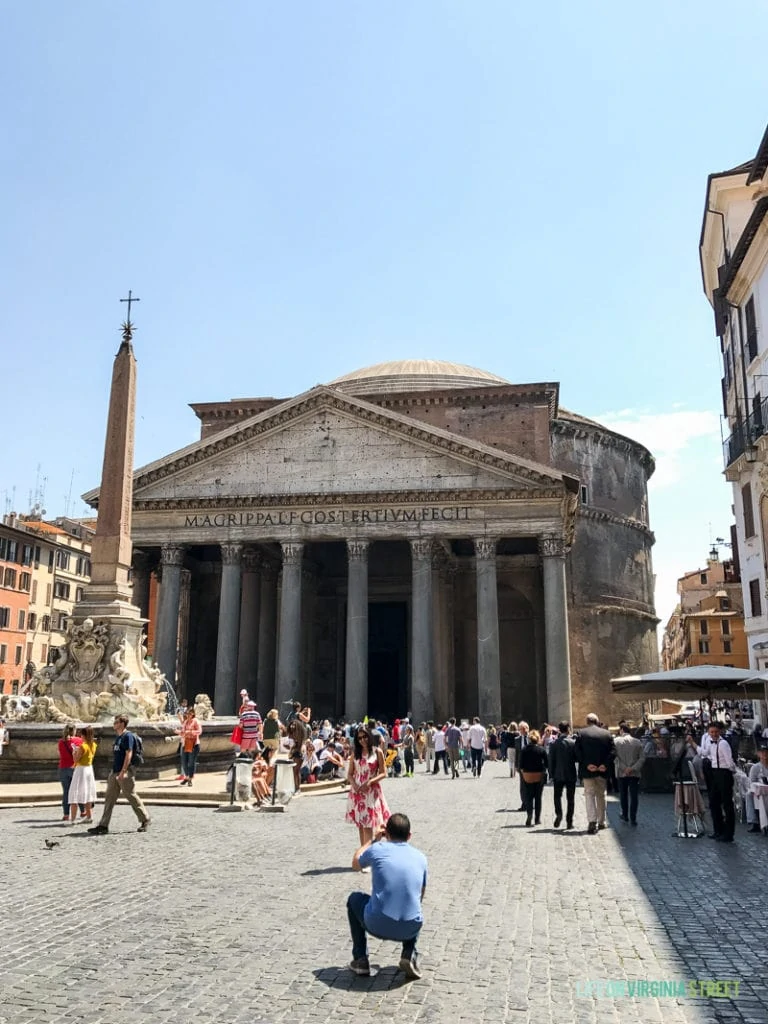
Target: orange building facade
17	557
707	627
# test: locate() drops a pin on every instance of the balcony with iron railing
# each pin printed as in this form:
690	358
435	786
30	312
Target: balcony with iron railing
746	434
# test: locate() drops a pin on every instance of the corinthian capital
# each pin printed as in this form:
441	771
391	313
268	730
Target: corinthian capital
421	548
172	554
485	548
251	560
231	554
292	553
552	546
357	550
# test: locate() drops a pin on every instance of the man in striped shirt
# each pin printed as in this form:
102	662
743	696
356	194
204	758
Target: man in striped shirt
250	723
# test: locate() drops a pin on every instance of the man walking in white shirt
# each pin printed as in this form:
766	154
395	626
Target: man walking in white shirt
721	790
440	754
477	741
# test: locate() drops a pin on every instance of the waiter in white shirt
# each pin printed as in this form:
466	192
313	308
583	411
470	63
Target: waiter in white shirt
721	805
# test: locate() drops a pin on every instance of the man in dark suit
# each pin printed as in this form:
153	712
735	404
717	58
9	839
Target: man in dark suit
521	742
562	768
594	752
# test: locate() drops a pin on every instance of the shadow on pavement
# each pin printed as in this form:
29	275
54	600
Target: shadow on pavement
381	979
681	878
328	871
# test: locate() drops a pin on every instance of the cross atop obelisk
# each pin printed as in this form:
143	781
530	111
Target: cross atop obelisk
111	551
128	325
129	300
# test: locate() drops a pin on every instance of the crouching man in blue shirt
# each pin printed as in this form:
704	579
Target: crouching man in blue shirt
393	910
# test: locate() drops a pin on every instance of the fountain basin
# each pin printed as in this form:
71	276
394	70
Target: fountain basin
32	753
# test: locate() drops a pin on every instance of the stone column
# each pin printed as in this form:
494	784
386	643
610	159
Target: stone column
488	665
442	704
185	595
553	550
422	646
250	607
310	579
225	686
356	661
265	685
141	572
167	631
289	637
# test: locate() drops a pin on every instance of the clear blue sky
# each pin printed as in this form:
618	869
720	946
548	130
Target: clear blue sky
297	190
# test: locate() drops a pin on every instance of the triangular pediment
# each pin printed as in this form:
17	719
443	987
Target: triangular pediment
325	443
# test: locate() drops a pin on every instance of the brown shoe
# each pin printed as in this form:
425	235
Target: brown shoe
144	826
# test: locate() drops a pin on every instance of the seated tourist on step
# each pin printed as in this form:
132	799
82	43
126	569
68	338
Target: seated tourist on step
331	762
260	771
309	763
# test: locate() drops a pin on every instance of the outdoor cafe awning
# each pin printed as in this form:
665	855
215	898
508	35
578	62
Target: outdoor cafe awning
694	683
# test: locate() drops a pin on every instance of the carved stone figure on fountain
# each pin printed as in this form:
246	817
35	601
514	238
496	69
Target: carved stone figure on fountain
203	707
119	675
43	709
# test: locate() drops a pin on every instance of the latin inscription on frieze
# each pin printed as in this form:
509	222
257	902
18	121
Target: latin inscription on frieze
330	516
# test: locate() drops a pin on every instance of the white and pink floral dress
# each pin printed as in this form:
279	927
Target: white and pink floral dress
367	809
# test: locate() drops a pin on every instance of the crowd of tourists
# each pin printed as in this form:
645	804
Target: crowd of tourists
366	753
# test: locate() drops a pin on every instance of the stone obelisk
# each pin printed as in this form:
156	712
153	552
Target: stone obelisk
111	549
102	668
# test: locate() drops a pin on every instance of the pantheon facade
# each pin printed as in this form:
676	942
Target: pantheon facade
417	536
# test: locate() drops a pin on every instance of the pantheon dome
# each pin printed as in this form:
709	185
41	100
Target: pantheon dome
413	375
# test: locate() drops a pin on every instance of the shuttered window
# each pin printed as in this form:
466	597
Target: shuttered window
749	514
749	316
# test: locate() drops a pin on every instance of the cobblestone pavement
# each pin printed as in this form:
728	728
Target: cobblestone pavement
240	917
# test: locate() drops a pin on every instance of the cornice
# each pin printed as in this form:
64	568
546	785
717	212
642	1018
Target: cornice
601	516
623	608
490	395
605	437
353	500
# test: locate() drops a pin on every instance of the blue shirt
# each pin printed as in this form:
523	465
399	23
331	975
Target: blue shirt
398	875
127	741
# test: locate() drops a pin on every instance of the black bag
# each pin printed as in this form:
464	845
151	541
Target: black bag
138	751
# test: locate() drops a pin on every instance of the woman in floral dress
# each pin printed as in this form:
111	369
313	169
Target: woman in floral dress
366	806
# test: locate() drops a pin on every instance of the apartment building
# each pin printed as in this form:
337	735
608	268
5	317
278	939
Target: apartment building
707	626
44	569
734	263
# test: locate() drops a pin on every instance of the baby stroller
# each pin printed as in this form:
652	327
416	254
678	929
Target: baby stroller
392	762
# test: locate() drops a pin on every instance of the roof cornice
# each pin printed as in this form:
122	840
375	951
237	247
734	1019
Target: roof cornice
606	437
743	246
760	163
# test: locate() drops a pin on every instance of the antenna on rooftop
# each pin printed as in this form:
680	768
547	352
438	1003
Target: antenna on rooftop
37	497
68	496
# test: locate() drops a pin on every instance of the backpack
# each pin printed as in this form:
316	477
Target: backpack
138	751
